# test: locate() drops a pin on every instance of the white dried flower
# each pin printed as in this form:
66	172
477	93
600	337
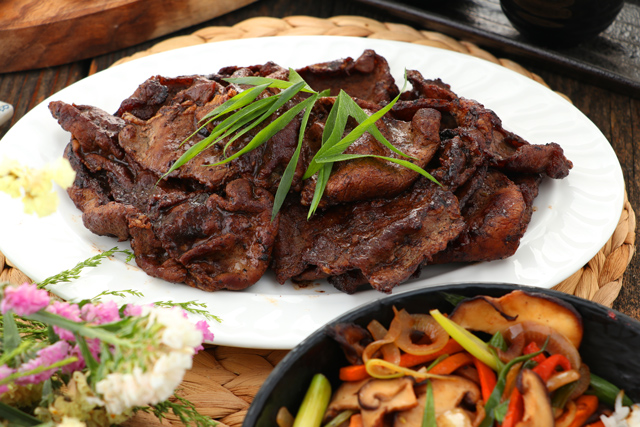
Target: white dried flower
165	364
71	422
179	332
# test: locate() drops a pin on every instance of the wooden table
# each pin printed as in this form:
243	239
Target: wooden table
616	114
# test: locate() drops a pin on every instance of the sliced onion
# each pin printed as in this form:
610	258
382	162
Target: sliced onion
562	378
510	381
515	348
424	324
390	352
583	382
538	333
392	334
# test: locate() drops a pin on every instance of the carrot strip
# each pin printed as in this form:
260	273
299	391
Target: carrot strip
409	360
451	363
353	373
487	378
548	367
586	405
532	347
355	420
598	423
515	409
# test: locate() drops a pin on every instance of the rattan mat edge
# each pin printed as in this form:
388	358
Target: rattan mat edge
224	380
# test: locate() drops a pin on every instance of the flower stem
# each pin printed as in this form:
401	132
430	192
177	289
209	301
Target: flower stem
79	328
39	369
17	417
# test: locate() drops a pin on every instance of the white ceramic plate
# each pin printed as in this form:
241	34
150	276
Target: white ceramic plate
573	219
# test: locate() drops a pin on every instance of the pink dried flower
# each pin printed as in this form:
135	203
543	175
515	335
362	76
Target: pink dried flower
100	313
132	310
207	335
24	300
45	357
69	311
80	364
5	371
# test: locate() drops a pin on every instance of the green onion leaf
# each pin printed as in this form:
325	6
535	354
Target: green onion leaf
282	98
406	164
429	415
294	78
287	176
270	130
238	101
227	127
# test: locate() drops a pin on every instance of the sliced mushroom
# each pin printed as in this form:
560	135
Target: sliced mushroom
382	396
345	398
490	315
537	405
448	394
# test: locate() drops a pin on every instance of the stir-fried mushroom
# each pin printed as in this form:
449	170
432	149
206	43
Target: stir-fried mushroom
345	398
380	397
537	406
491	315
451	394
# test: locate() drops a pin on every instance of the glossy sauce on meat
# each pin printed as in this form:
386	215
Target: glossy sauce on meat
378	223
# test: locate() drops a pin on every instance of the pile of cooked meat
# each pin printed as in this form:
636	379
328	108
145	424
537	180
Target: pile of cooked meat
378	223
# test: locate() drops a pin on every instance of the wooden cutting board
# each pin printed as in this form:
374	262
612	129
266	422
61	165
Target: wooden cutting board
38	34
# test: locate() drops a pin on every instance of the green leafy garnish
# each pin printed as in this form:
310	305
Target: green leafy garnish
193	307
74	273
183	409
246	110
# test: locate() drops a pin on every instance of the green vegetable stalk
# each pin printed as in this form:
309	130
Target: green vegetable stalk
315	403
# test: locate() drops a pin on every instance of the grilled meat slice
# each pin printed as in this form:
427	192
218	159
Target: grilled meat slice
368	77
378	223
496	216
158	91
159	142
179	233
224	241
385	240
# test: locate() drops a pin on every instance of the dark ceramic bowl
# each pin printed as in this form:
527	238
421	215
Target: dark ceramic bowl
610	346
561	23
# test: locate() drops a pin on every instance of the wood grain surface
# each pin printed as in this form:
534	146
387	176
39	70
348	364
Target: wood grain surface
36	34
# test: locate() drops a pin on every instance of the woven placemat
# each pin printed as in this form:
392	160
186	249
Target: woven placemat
224	380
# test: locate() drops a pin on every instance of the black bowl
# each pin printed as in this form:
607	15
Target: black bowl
610	346
561	23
